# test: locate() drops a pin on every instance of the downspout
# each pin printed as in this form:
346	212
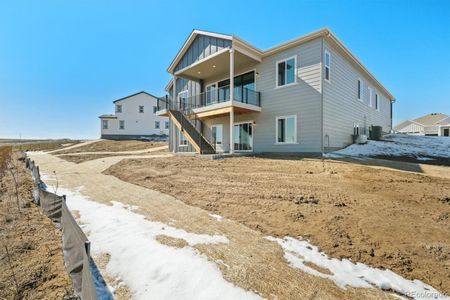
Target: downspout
321	99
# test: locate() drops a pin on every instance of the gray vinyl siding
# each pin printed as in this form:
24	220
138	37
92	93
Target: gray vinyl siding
302	99
202	47
341	107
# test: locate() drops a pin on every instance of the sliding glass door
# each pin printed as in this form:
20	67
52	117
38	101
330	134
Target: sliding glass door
243	137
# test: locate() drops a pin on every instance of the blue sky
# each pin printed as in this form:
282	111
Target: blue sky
62	63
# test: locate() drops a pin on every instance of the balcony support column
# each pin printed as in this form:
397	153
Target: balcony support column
174	134
231	100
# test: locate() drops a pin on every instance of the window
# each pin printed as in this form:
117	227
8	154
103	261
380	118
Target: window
183	142
166	124
121	124
377	103
105	124
286	71
286	128
327	65
155	109
157	124
360	89
118	108
370	96
141	109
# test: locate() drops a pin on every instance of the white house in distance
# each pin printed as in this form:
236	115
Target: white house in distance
434	124
135	118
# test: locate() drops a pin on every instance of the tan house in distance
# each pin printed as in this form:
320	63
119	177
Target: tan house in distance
434	124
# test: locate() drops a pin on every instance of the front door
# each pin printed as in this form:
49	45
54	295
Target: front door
217	134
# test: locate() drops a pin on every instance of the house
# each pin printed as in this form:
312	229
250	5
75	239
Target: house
307	95
135	118
434	124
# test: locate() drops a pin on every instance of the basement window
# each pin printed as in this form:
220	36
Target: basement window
182	140
286	128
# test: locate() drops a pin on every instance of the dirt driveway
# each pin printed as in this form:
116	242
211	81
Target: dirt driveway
382	217
249	260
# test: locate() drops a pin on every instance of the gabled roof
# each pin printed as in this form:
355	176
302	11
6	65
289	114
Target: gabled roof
431	119
236	41
141	92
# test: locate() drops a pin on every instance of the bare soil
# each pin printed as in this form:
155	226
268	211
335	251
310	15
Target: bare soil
37	145
112	146
385	218
31	258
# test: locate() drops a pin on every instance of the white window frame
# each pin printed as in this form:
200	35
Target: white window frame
105	122
157	125
377	102
182	137
139	109
276	72
295	130
361	90
325	65
117	108
121	124
370	96
166	124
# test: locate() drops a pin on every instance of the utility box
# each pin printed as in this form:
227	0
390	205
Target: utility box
375	133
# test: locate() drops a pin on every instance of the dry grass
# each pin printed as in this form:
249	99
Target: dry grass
112	146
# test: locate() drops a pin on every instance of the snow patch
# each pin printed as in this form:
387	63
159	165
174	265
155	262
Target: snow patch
421	147
150	269
217	217
346	273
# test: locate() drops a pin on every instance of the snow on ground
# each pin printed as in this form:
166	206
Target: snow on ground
150	269
346	273
421	147
217	217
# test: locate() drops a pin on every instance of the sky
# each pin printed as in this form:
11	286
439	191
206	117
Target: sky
62	63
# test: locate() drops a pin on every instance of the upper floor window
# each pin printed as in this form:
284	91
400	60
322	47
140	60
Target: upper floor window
155	109
370	96
327	65
118	108
121	124
105	124
141	109
166	124
286	73
377	102
360	89
286	129
157	124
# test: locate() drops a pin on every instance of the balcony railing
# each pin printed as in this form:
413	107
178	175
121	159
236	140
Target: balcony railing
210	97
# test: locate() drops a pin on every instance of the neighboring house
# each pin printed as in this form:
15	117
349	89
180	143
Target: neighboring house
310	94
135	117
434	124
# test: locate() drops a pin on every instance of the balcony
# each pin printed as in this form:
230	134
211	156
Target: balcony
213	102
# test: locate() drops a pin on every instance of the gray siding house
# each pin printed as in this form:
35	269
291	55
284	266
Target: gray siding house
308	95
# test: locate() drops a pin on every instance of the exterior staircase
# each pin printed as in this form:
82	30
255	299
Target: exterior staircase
192	134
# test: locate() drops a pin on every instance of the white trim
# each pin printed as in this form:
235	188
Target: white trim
325	66
295	130
276	72
369	89
253	135
199	62
360	95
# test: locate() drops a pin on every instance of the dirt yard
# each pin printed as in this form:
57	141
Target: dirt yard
87	157
385	218
37	145
112	146
31	260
